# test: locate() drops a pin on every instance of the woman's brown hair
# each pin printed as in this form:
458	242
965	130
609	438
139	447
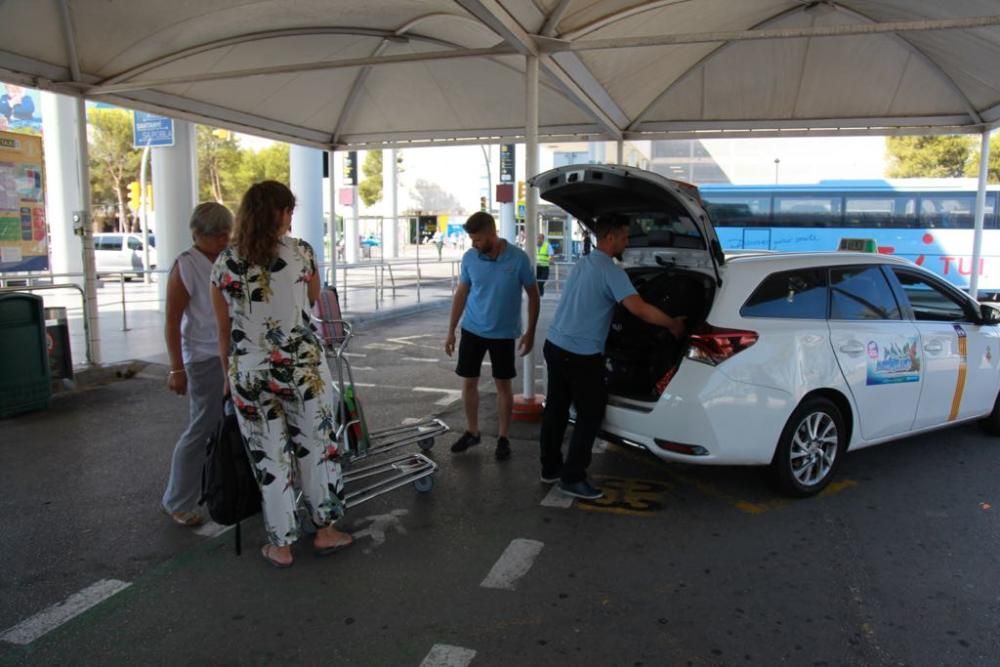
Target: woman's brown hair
257	221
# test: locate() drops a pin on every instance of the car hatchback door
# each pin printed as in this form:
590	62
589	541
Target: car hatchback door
878	351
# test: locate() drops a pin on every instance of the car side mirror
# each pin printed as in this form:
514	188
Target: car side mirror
989	313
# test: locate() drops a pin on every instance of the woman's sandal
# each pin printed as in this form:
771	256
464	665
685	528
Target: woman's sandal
186	519
329	551
266	550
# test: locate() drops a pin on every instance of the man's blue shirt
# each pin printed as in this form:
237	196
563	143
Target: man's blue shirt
493	308
587	304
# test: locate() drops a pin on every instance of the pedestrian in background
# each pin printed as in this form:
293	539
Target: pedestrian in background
574	355
488	301
193	347
263	288
542	257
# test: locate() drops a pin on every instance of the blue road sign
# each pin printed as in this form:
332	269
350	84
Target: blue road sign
150	129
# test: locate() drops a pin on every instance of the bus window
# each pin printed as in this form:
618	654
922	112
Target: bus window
953	211
880	211
807	210
739	211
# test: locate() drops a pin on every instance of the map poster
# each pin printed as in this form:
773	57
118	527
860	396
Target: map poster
23	233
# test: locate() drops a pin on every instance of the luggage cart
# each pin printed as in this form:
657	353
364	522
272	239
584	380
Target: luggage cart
372	461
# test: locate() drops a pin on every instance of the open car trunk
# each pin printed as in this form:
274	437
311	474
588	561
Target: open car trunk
640	355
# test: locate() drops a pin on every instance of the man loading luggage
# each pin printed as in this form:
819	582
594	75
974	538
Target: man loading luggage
574	355
488	301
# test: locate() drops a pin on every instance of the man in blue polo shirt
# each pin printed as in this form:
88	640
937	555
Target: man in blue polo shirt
488	300
574	355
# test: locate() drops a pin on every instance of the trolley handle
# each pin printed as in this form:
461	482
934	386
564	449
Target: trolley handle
344	338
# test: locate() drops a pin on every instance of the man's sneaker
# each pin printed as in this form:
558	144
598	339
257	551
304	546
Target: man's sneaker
467	440
549	477
502	452
581	489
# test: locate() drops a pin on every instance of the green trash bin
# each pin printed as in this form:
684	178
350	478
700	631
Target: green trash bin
24	361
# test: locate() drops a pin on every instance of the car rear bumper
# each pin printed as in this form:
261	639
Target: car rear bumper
702	409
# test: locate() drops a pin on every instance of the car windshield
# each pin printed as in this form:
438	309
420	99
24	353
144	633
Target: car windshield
671	229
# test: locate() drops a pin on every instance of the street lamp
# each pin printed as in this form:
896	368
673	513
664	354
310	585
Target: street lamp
777	161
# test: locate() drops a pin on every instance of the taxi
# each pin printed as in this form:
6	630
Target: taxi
791	360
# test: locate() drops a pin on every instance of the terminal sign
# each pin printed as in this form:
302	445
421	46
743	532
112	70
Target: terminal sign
151	130
506	163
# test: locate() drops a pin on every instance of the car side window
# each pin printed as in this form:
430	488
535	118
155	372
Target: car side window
930	302
861	293
134	243
109	243
798	294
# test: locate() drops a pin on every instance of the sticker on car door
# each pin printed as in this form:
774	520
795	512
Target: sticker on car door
893	362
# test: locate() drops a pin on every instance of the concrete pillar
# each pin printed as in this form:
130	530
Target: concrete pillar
63	194
390	205
175	182
306	176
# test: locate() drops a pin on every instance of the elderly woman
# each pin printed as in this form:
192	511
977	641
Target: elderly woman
263	287
193	347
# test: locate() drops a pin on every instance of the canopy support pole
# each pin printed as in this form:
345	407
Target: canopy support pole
977	238
331	224
531	195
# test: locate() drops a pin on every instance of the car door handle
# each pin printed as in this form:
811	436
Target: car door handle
933	347
852	348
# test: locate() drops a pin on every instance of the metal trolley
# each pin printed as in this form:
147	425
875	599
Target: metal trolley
372	461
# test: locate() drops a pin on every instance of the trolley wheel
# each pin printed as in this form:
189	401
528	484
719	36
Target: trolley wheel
426	444
424	484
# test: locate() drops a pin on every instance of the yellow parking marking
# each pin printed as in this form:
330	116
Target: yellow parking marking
630	497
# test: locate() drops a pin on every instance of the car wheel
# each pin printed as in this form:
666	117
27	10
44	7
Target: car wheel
991	422
810	448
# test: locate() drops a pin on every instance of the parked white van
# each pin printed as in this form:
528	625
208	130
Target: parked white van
117	253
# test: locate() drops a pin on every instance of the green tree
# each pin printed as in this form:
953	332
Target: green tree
113	162
267	164
939	156
219	160
993	171
370	188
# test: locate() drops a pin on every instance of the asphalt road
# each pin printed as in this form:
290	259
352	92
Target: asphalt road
894	565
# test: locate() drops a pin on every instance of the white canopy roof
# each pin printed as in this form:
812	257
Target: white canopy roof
338	73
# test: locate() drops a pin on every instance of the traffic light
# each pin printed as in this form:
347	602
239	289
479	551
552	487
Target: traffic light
520	191
149	197
133	196
482	203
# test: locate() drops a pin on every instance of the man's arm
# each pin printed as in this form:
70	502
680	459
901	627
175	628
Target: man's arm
534	302
653	315
177	301
457	308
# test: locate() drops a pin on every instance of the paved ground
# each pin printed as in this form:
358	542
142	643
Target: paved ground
895	565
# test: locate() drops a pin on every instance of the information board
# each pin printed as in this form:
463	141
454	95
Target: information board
23	234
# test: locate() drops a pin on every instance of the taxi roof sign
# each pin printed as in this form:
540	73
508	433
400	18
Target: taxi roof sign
858	245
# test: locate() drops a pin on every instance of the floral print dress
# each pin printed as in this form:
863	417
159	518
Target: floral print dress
281	386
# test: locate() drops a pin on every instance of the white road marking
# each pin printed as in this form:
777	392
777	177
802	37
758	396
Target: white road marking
355	354
411	420
556	498
382	346
445	655
422	359
369	384
362	368
451	395
210	529
49	619
379	525
514	563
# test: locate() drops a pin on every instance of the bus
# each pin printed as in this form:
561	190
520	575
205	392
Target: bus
928	221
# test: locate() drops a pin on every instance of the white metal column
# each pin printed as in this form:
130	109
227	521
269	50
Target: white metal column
306	176
90	324
977	237
331	225
62	191
531	193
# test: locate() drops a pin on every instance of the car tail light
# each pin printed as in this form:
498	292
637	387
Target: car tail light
661	385
681	448
713	345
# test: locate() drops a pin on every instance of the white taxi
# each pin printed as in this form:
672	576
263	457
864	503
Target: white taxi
791	360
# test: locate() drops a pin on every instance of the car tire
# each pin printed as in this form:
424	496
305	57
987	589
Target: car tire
991	422
810	448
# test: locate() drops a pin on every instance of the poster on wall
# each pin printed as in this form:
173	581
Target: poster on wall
20	109
23	234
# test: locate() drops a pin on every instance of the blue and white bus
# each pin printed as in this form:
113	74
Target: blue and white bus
928	221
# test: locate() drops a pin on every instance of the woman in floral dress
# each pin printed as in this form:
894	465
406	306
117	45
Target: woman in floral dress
263	286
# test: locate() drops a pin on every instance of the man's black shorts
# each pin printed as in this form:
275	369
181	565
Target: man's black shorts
472	349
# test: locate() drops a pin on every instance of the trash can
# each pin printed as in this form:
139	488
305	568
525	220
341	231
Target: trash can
24	362
57	343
